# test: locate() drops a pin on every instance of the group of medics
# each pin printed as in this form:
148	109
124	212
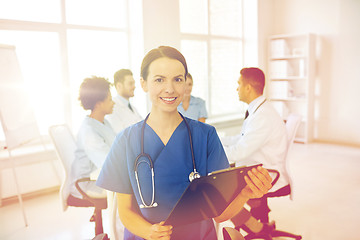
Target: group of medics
149	163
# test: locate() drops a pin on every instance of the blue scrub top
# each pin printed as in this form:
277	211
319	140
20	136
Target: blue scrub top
172	166
196	109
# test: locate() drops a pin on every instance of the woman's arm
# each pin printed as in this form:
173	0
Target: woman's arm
135	223
258	184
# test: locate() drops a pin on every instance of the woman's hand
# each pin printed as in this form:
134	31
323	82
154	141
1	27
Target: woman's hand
160	231
258	183
132	219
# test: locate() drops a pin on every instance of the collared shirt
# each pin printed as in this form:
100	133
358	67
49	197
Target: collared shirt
263	139
123	100
122	116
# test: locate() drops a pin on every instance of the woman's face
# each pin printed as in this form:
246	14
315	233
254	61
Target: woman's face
107	104
189	86
165	84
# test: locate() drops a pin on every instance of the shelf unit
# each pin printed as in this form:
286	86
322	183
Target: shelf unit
291	77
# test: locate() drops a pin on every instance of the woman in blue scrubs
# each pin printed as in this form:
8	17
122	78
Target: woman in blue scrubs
192	107
165	137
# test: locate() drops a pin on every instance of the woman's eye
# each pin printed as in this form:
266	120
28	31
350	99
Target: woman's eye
179	79
158	80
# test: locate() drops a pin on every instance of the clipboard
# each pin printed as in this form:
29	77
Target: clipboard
208	196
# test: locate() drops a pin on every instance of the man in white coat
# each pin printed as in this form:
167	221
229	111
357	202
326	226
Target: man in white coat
124	114
263	139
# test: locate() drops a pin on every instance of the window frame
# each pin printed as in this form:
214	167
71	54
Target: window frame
61	29
208	38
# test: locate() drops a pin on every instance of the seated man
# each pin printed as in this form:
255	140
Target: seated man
95	135
124	113
263	139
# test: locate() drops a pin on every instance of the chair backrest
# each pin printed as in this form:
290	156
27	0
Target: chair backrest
292	124
65	146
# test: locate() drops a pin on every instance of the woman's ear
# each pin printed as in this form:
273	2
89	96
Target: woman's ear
144	84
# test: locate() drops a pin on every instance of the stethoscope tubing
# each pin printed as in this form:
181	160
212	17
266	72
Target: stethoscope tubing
193	175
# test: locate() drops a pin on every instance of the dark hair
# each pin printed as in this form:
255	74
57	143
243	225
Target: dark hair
93	90
162	51
255	77
119	76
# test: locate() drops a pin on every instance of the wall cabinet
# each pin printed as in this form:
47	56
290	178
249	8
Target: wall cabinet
291	77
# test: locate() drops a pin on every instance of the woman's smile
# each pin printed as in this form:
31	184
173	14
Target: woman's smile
168	100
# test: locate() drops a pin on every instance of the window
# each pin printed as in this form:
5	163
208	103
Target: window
64	41
31	11
213	42
40	69
87	57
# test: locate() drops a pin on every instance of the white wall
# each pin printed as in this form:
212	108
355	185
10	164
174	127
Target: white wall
336	22
161	23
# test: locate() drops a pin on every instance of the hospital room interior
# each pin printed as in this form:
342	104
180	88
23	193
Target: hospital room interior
308	50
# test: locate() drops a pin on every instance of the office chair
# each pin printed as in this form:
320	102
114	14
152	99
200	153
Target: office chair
102	236
230	233
65	146
292	124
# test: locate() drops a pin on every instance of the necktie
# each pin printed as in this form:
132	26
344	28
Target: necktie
130	107
246	114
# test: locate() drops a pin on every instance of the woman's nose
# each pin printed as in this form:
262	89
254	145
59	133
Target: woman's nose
169	88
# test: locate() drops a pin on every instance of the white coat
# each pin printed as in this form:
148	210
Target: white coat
122	116
263	139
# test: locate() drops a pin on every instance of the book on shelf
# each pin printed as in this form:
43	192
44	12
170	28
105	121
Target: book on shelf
279	48
280	69
279	90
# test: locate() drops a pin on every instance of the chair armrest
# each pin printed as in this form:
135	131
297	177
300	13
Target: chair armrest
85	196
276	177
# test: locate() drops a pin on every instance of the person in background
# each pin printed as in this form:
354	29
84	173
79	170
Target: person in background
124	113
192	107
263	139
95	135
165	136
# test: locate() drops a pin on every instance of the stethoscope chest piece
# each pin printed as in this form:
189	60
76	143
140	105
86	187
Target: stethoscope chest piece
154	204
194	175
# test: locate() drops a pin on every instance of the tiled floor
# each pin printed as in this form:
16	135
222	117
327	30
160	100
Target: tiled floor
46	221
326	204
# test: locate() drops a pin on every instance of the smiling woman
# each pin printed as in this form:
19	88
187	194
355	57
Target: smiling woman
173	151
162	133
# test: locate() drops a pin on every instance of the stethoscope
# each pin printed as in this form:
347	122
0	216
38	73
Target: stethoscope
193	175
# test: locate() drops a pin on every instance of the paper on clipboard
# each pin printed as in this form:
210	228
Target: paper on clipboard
208	196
